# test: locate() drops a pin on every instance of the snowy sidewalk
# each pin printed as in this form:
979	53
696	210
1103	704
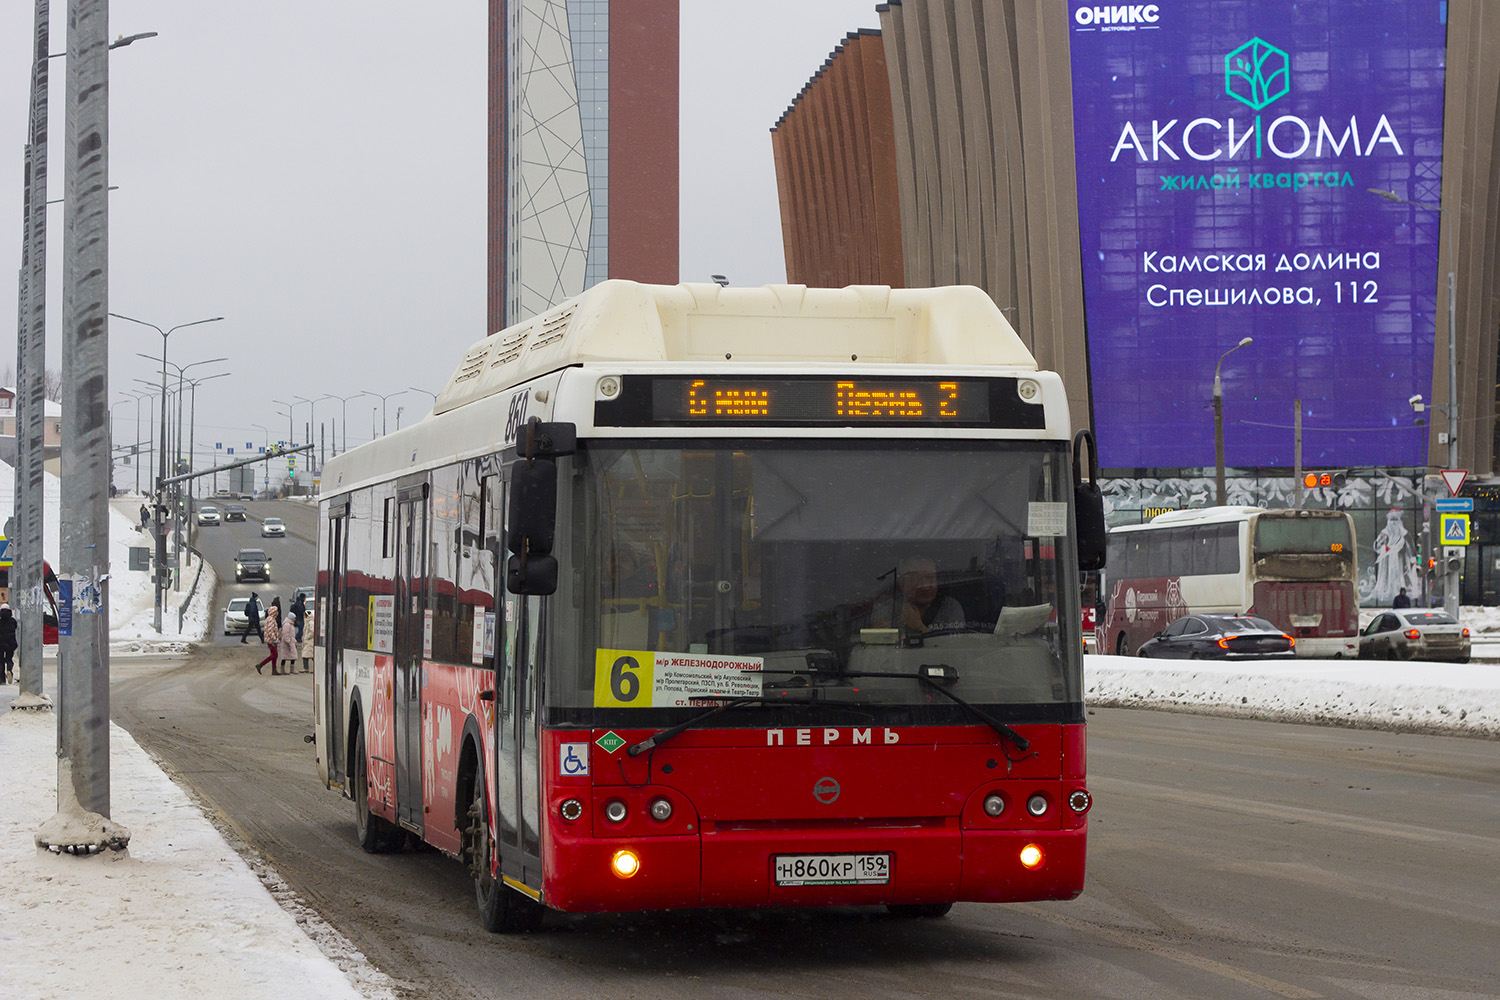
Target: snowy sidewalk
179	914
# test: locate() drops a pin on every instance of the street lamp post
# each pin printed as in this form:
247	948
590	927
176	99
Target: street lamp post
161	465
382	399
1450	585
1219	423
344	445
265	448
150	398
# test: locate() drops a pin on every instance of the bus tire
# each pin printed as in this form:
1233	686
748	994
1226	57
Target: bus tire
1122	646
375	835
925	910
502	910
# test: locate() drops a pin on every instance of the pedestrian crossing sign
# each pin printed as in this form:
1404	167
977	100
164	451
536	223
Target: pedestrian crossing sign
1455	529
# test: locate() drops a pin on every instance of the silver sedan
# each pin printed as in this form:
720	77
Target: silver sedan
1414	634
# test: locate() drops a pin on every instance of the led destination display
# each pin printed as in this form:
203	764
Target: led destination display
1225	150
829	400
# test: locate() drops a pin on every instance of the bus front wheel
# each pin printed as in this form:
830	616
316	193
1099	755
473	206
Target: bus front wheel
502	910
1122	646
376	836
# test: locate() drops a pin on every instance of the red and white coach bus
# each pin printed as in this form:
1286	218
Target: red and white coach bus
695	596
1294	568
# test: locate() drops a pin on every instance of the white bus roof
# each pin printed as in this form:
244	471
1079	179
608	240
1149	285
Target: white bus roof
775	324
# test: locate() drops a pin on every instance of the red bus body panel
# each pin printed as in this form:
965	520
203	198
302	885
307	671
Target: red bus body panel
738	801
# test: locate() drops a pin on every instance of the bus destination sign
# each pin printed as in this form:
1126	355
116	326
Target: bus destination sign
818	400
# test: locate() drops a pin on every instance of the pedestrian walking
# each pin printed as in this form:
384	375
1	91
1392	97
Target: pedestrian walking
8	644
309	632
287	649
271	636
145	518
298	611
252	620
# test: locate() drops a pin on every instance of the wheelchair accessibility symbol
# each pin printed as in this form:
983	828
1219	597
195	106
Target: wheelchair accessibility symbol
574	760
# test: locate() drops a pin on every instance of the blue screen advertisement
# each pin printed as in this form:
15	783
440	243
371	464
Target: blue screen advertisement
1225	152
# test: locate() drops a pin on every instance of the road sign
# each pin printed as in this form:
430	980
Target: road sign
5	561
1460	503
1455	479
1455	529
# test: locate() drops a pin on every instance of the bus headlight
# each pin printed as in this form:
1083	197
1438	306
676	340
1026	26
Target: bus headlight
1031	856
1037	805
1079	801
994	804
614	811
625	863
571	810
661	810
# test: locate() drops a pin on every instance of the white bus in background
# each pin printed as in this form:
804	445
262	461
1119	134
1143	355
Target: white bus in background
1294	568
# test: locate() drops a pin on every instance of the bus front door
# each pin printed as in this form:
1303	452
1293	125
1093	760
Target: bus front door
328	617
412	636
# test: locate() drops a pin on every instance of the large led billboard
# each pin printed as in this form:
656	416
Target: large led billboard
1225	152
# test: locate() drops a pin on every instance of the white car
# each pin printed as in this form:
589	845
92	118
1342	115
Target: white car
209	515
235	622
272	527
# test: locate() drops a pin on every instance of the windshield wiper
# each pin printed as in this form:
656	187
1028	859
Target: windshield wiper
657	739
1005	731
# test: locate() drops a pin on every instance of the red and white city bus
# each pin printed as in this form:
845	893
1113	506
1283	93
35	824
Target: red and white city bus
1294	568
690	596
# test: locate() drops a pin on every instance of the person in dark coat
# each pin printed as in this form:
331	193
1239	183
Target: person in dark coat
252	619
1401	601
7	644
298	610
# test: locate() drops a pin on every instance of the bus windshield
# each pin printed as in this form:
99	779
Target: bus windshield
1291	534
823	565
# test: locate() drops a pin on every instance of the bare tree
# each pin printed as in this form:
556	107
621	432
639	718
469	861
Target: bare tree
53	385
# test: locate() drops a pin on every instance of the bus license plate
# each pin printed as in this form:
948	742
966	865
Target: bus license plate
832	869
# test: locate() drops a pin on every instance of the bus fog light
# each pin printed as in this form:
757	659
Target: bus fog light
614	811
1031	856
661	810
1037	804
994	805
625	863
571	810
1079	801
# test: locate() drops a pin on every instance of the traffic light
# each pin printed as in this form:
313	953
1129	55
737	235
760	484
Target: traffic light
1453	559
1314	480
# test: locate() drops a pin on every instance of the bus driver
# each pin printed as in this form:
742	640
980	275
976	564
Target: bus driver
921	608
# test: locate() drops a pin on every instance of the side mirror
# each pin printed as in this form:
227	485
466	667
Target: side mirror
531	574
1088	506
533	507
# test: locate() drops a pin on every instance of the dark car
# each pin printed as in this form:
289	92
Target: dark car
234	512
251	564
1221	637
1415	634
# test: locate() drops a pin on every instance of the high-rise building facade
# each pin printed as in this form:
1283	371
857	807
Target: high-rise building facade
582	149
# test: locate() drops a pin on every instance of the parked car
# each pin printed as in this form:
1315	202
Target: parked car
1221	637
235	622
250	564
272	527
1415	634
208	514
307	594
234	512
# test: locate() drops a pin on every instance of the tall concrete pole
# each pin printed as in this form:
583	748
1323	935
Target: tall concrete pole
31	372
82	822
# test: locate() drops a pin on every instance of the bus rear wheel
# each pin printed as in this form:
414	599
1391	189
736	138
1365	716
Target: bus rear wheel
376	836
1122	646
502	910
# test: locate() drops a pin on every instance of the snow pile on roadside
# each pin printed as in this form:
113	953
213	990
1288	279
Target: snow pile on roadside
1462	699
178	914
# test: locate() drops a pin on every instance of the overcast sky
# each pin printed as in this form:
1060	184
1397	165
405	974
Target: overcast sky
314	172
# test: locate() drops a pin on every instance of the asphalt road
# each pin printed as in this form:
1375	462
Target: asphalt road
1228	859
293	558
